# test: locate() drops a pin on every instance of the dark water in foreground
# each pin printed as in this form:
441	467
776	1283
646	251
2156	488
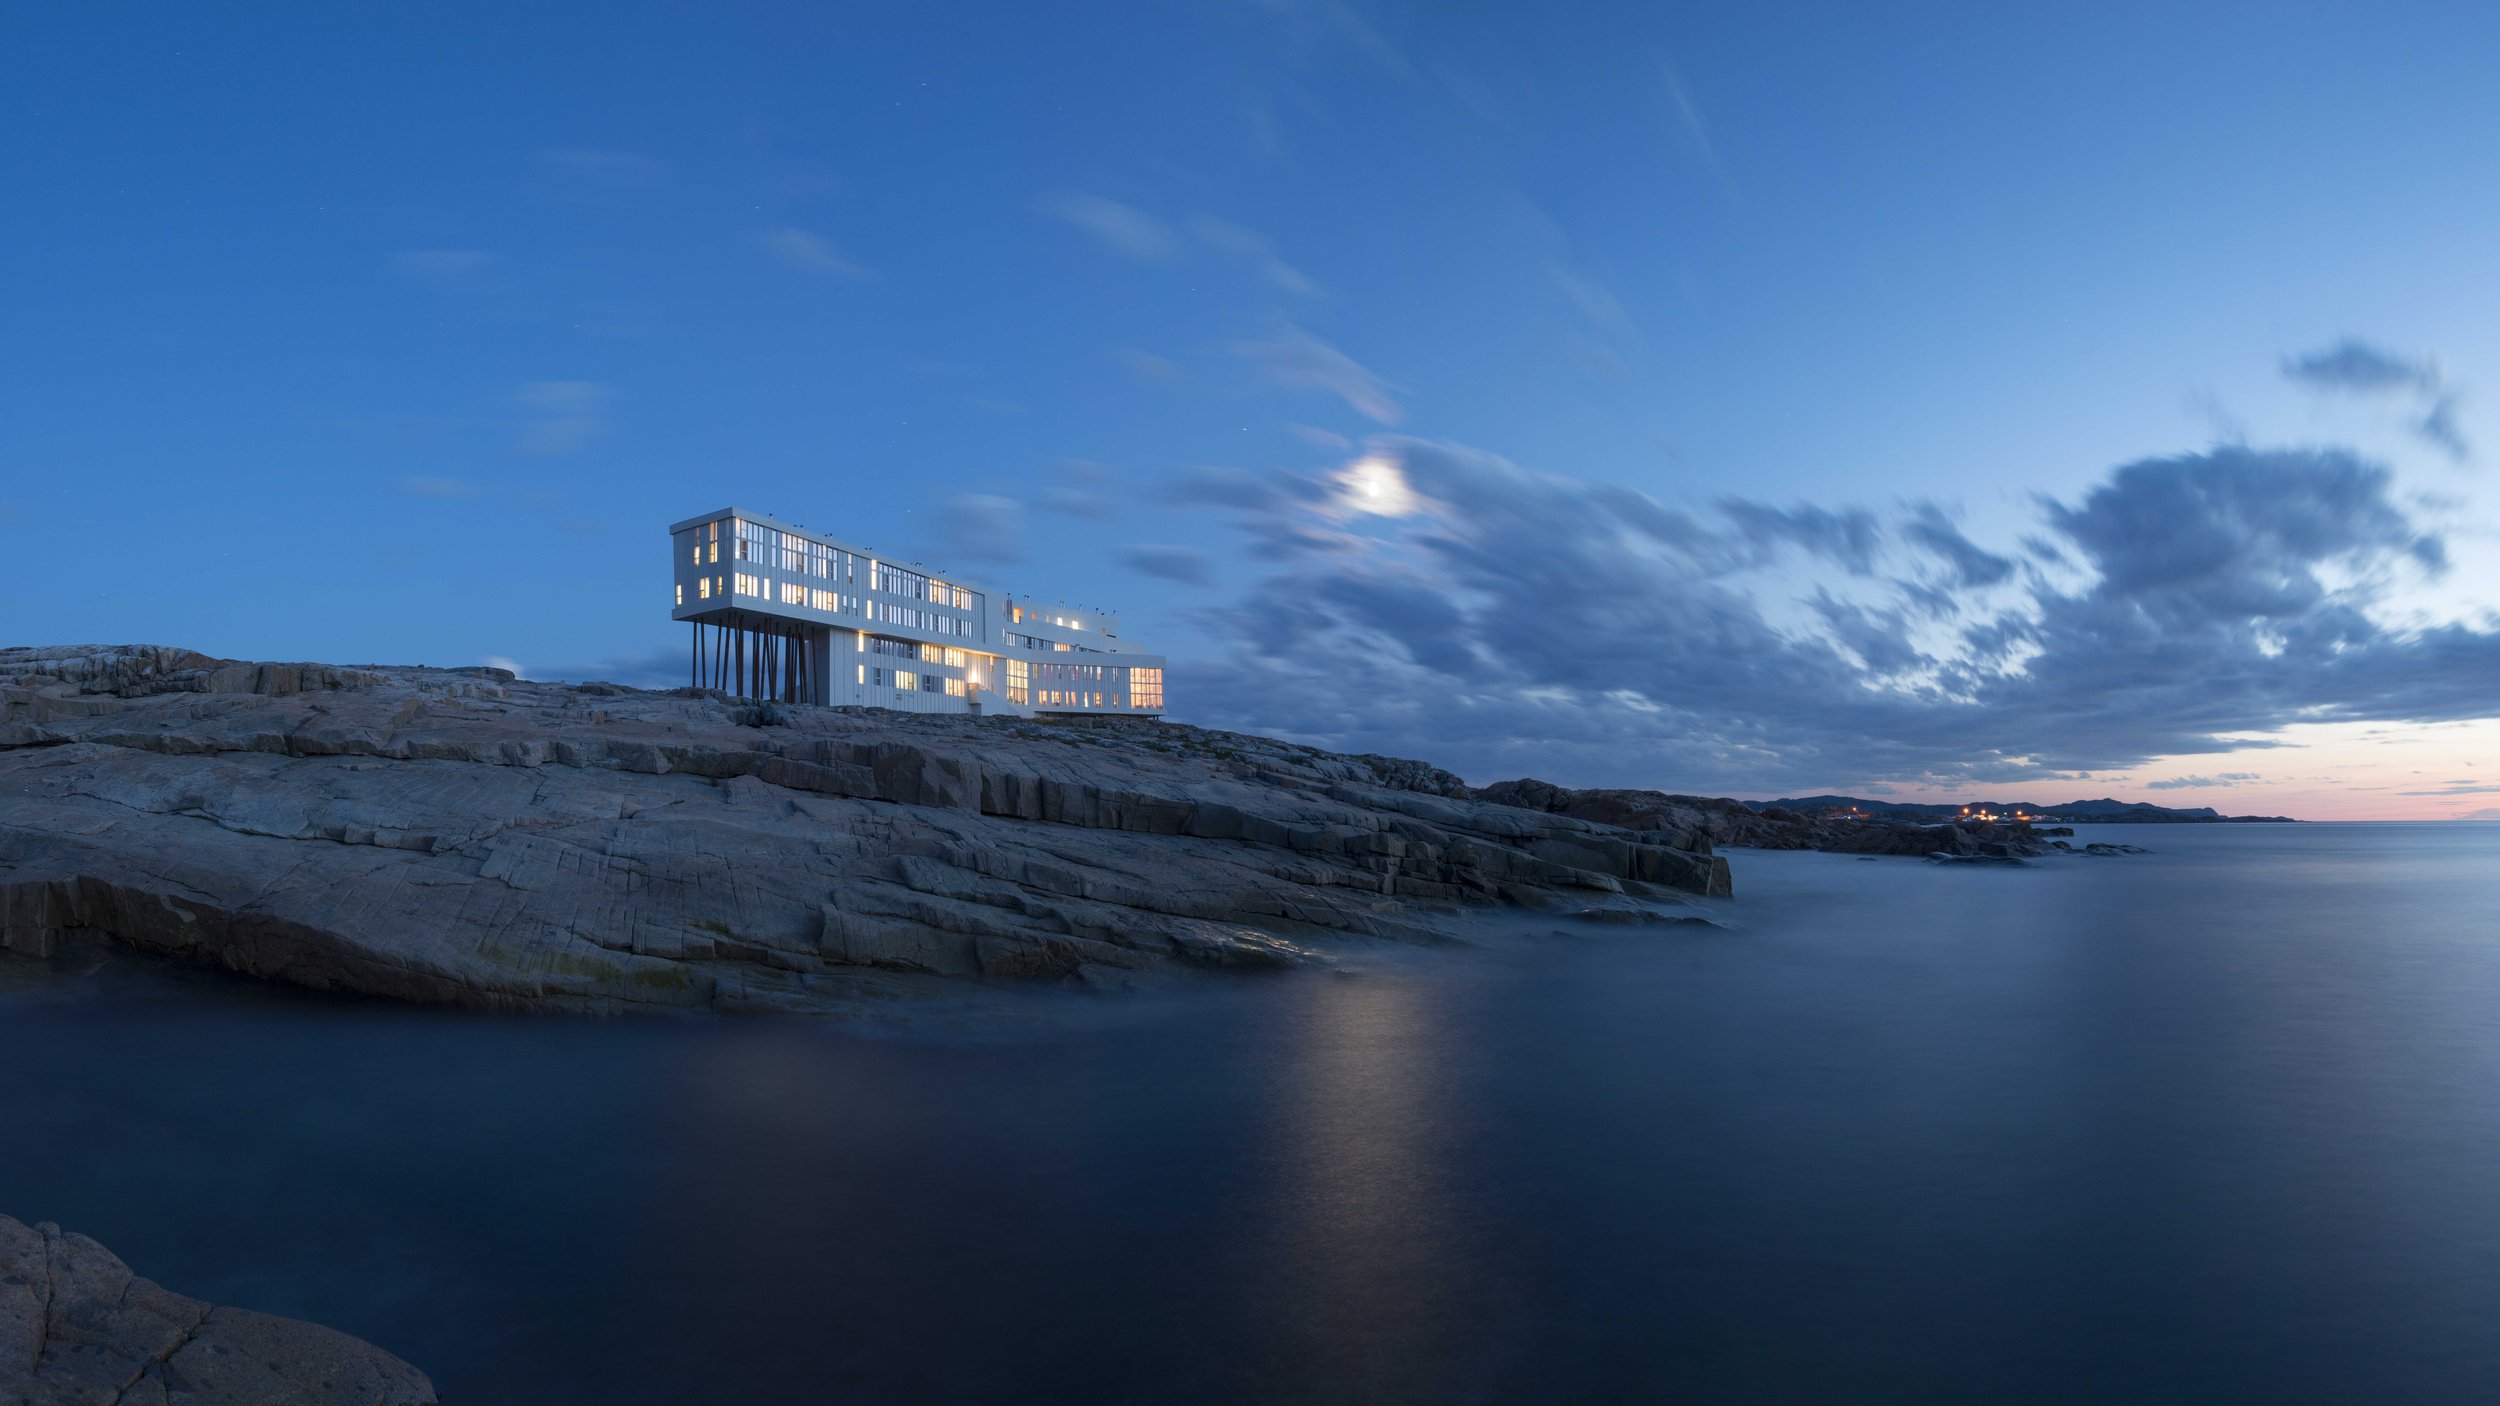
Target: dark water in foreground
2218	1124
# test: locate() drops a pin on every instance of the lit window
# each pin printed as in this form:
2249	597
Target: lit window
681	593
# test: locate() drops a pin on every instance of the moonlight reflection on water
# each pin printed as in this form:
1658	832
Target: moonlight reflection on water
2209	1124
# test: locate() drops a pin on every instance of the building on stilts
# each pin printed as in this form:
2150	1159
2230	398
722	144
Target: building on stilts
779	612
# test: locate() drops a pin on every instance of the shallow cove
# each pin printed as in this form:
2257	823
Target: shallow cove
2216	1123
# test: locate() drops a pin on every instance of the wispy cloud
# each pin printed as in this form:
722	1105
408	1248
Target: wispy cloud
1146	366
811	253
1592	298
449	270
2204	783
1186	565
1252	251
1685	111
1296	360
2457	788
982	527
562	416
2356	367
426	486
1137	234
1123	229
1078	488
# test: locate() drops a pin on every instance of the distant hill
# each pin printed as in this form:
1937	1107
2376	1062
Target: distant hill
2104	810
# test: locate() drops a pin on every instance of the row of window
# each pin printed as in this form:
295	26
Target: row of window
1145	689
911	585
818	598
1017	641
784	551
804	556
909	681
925	653
914	618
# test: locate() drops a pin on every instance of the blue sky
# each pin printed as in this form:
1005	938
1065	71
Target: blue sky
353	333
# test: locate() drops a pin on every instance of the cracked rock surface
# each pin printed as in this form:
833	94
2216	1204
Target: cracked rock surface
77	1328
457	836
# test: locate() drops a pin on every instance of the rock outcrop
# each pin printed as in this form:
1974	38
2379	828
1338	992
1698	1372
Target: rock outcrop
1720	821
77	1328
460	836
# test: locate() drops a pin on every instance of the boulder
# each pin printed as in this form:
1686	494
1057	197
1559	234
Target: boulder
78	1328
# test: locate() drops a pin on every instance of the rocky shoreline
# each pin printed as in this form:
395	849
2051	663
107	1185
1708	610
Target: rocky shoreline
1735	825
78	1328
461	837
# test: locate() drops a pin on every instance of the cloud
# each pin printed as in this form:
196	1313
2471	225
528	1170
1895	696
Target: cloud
1146	366
1296	360
1533	621
1685	111
424	486
811	253
447	270
1971	565
1186	565
2202	783
2486	813
1224	487
1594	301
2439	425
2238	532
2356	367
1077	488
563	415
983	527
1123	229
1252	251
1849	538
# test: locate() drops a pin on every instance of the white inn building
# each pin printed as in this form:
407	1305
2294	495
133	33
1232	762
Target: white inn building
783	613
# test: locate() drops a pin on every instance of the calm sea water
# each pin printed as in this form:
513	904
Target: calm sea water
2216	1124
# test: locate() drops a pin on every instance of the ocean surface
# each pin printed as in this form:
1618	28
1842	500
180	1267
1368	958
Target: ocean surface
2215	1124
